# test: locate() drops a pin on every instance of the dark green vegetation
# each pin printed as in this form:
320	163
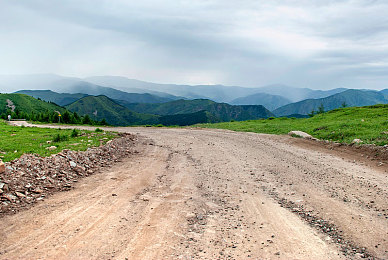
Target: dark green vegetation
349	98
271	102
102	107
61	99
219	111
181	112
188	119
370	124
15	141
21	106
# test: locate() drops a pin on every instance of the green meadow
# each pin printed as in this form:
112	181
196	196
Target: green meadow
15	141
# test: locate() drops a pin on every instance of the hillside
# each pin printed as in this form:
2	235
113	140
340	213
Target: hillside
271	102
102	107
349	97
188	119
61	99
26	104
222	111
368	123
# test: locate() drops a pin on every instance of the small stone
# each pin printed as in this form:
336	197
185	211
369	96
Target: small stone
357	141
2	167
37	190
51	148
72	164
114	194
10	197
20	195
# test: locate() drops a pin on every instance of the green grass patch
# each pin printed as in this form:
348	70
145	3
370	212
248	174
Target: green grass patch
15	141
370	124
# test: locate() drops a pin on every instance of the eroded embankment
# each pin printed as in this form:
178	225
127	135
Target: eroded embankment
32	178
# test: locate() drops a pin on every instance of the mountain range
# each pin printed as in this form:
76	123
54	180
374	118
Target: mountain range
114	87
171	113
123	101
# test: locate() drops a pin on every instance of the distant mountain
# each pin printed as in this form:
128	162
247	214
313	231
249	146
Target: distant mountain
91	89
102	107
349	97
385	92
61	99
222	111
74	85
298	94
271	102
26	104
218	93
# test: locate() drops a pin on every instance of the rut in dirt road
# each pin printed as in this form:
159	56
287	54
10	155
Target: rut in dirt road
208	194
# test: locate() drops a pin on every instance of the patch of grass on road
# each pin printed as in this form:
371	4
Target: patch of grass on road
370	124
15	141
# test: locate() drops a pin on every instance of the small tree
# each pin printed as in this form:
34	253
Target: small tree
86	120
344	104
321	109
66	117
103	122
312	113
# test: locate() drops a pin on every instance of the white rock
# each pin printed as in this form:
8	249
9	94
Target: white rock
301	134
51	148
72	164
356	141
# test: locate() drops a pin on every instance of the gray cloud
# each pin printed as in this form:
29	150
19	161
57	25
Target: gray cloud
319	44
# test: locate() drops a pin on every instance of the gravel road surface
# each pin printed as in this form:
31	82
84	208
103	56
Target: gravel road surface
211	194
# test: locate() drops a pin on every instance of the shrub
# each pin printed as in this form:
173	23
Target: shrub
60	138
74	133
98	130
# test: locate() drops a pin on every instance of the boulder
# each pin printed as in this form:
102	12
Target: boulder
301	134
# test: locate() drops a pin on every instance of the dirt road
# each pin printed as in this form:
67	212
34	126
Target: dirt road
210	194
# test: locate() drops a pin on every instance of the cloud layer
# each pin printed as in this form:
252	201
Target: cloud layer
316	44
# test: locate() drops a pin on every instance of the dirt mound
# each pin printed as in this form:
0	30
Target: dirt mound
32	178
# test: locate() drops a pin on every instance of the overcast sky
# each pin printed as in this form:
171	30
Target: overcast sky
303	43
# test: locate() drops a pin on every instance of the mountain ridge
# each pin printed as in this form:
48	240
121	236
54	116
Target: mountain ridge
351	97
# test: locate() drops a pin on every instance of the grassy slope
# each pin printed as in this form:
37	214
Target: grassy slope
27	104
113	113
15	141
370	124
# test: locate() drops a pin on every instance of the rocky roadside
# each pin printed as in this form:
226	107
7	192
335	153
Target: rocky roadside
31	178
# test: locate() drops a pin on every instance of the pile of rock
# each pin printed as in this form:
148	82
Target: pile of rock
31	178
